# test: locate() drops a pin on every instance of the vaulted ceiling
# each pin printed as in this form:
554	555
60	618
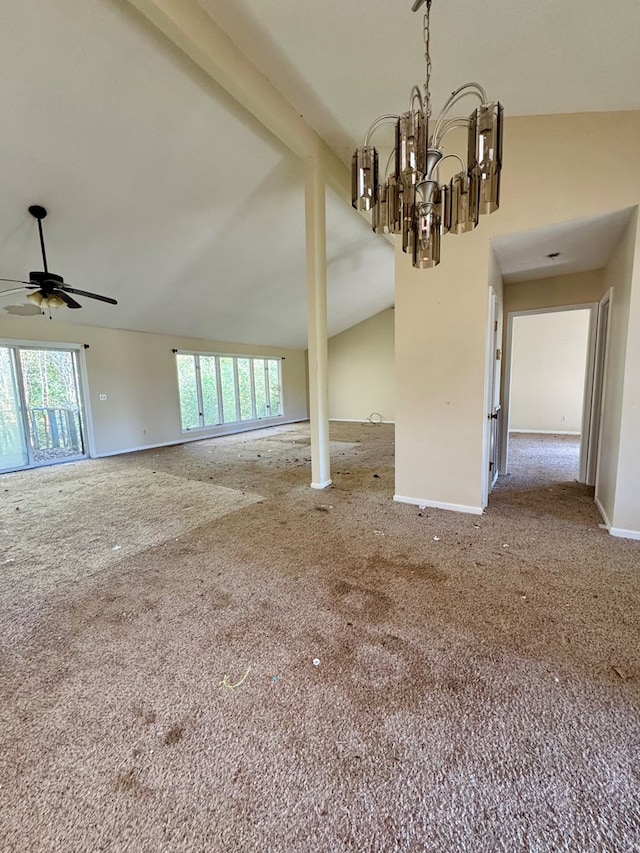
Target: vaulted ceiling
166	194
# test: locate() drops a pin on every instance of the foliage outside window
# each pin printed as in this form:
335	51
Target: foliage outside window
227	389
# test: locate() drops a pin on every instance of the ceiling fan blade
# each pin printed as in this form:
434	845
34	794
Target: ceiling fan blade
68	300
19	281
13	290
90	295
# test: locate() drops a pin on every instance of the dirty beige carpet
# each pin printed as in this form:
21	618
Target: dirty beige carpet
405	680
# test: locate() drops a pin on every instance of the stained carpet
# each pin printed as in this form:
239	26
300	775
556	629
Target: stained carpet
405	680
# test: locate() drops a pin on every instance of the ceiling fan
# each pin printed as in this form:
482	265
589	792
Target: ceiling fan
49	289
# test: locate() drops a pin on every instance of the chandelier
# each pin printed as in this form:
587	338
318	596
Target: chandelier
411	200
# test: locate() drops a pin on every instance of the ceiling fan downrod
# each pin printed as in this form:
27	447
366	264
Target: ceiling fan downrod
38	212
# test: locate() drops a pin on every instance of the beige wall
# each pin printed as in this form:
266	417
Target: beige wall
556	292
137	372
441	314
618	469
549	359
361	370
626	515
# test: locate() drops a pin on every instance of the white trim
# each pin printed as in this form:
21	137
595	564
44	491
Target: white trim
547	431
624	534
472	510
321	485
85	394
29	344
587	392
603	342
363	421
489	390
227	353
600	508
615	531
186	439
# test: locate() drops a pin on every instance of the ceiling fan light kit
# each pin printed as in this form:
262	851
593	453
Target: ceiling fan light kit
48	289
411	200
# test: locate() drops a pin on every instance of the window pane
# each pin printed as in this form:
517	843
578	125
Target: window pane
52	403
209	383
189	414
244	389
260	387
228	390
274	388
13	448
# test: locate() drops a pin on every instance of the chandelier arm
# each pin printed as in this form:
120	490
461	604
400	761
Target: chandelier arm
447	157
447	126
386	119
470	85
391	156
459	94
416	93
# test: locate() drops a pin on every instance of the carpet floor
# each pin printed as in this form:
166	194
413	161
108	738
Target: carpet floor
200	653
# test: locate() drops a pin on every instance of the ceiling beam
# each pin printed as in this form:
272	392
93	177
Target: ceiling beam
190	28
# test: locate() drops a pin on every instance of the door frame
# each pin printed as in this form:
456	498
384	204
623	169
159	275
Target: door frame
490	385
601	358
588	391
83	391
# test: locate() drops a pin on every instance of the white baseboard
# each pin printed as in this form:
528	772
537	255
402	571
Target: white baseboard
358	421
624	534
600	508
547	431
620	532
321	485
472	510
188	438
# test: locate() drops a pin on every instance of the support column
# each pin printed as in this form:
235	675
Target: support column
316	239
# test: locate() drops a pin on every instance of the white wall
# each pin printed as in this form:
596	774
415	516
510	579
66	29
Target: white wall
361	370
549	358
137	372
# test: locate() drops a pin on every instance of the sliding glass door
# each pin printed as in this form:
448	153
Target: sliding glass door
13	443
41	414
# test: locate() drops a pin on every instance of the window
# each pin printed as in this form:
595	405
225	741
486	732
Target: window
227	389
41	412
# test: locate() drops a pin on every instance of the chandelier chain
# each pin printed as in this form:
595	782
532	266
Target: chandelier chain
427	59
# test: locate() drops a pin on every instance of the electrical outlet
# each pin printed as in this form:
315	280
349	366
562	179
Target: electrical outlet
102	397
562	418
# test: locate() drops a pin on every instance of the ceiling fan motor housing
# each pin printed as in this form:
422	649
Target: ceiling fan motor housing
39	277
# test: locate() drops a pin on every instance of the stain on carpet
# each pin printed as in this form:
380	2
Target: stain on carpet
129	783
174	735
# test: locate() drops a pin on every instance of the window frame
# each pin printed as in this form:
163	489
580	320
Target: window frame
238	422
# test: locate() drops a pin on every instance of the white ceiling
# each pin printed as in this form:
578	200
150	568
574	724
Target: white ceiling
168	196
581	244
344	63
161	191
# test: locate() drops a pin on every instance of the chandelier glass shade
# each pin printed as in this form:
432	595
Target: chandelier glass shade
411	199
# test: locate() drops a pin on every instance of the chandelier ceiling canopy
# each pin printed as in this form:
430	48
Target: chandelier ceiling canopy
410	199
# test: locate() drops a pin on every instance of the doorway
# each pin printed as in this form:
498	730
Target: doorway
42	418
551	386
